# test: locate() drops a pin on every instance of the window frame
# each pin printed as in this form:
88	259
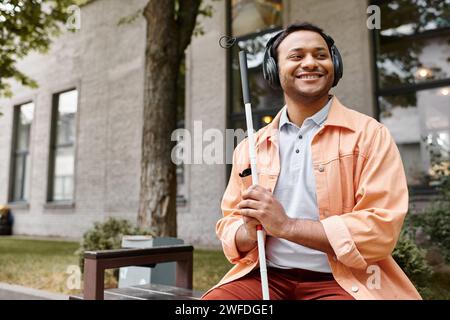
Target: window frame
53	148
14	154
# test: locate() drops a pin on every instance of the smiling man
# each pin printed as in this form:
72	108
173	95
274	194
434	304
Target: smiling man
332	196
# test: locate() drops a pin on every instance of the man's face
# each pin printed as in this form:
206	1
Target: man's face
305	65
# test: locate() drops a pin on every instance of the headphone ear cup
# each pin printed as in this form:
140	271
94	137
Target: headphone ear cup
265	68
269	65
338	65
272	73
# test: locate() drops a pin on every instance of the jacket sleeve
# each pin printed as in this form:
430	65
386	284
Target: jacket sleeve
370	232
228	225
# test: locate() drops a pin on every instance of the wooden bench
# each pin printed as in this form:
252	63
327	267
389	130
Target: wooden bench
96	262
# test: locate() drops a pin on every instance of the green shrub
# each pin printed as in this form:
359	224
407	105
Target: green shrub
107	235
435	222
412	261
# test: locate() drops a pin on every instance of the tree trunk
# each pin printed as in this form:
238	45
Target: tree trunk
166	41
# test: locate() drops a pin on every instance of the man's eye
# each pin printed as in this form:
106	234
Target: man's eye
295	56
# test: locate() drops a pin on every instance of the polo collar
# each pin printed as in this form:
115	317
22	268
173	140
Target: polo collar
338	116
318	118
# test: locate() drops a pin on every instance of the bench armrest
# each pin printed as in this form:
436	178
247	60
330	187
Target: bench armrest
96	262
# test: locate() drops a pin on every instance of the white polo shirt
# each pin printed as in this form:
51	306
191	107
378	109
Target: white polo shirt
296	191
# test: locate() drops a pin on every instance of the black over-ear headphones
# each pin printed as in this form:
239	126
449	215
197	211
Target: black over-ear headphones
270	67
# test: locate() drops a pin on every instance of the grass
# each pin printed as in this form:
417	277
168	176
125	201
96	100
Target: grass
209	267
42	264
37	264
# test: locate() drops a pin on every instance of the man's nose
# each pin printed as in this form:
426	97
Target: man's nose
309	63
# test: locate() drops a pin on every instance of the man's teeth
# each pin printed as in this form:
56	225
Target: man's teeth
309	77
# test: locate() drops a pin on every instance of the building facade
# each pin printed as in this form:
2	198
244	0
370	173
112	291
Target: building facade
70	150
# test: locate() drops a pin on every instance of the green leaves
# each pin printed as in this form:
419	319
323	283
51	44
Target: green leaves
435	222
107	235
27	26
412	261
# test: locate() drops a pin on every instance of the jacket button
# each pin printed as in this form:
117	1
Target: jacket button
321	168
355	289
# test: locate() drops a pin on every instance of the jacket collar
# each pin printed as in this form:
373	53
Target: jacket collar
338	116
318	118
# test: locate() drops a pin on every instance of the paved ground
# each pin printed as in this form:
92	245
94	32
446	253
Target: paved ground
15	292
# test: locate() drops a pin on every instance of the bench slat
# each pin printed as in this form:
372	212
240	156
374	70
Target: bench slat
128	252
170	290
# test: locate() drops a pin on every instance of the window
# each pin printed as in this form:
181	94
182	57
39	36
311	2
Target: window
253	23
20	162
251	16
62	148
413	83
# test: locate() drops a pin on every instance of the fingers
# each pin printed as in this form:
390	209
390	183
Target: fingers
256	202
249	213
249	203
255	192
248	208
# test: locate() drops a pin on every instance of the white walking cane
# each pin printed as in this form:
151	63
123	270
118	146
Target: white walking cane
252	154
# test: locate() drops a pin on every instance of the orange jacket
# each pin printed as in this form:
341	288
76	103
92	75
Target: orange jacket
362	198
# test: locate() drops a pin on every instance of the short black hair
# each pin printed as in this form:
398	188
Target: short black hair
297	26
